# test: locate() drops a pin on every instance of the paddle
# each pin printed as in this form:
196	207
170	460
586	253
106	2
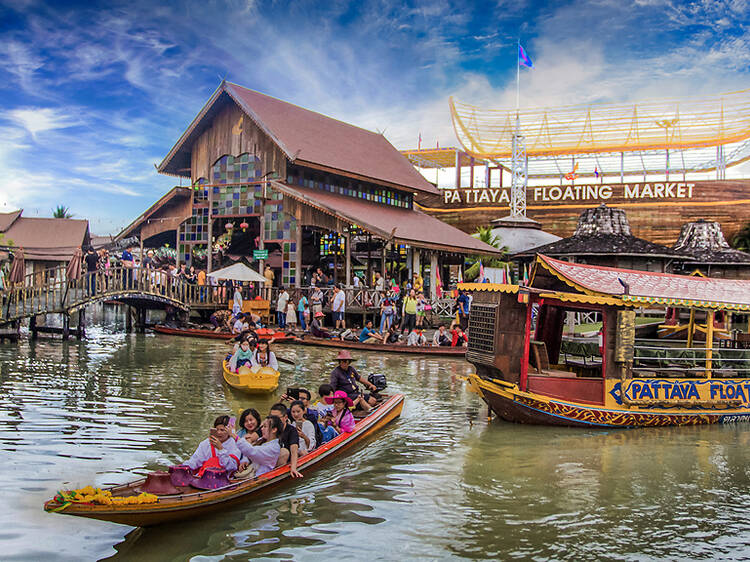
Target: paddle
287	361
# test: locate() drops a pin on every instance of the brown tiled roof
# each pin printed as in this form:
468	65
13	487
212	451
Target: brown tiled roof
48	239
411	226
7	219
308	137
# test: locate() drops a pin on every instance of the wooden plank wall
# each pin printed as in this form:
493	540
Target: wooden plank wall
726	201
233	132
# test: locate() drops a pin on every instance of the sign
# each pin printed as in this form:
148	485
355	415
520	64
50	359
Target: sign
664	390
260	254
582	193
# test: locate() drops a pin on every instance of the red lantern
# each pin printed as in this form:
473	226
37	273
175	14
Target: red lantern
244	226
229	226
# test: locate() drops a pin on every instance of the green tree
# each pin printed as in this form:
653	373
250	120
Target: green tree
741	240
485	234
62	212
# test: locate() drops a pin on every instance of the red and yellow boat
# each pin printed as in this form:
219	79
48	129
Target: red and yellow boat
193	503
524	374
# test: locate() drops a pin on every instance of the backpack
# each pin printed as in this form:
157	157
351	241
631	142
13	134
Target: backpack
318	431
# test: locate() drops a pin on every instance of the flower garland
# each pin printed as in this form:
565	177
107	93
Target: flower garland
89	494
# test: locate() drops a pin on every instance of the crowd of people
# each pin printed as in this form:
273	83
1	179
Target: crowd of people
293	427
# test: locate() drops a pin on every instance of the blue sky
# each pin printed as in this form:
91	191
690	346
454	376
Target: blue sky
92	95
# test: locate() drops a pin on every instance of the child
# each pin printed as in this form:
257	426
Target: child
326	392
291	315
306	315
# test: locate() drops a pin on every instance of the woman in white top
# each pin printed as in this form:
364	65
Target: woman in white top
264	456
305	427
264	357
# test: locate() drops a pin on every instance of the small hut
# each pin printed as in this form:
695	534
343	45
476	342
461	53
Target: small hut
706	250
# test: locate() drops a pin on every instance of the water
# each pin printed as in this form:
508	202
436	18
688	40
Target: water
440	483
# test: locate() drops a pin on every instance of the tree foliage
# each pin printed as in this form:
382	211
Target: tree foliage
62	212
741	240
485	234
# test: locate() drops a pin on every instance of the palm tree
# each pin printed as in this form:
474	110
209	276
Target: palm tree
741	240
485	234
61	212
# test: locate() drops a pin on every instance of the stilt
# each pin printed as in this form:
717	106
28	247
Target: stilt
128	319
32	327
81	333
66	326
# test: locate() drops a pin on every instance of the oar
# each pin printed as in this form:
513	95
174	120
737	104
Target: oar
283	360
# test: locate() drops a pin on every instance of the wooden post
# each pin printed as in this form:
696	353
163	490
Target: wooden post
709	342
348	250
32	327
524	375
691	328
298	240
128	319
433	275
66	326
369	263
210	234
81	324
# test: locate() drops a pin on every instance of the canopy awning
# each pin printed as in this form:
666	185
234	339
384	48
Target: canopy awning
238	272
404	226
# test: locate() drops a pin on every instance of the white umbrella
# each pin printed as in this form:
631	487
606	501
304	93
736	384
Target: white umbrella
238	272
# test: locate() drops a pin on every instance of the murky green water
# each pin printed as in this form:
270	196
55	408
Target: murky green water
439	483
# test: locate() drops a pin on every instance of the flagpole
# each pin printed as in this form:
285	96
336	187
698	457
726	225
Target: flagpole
518	81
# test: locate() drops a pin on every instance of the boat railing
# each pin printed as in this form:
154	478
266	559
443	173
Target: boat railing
649	360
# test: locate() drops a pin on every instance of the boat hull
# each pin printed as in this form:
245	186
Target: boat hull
264	334
251	383
513	405
415	350
177	508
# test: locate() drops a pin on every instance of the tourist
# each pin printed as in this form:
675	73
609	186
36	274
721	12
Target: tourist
442	337
416	338
345	377
387	310
459	338
128	263
316	327
322	278
392	336
301	307
379	282
237	301
92	266
316	301
291	315
321	406
409	311
249	425
104	268
341	419
421	304
417	282
192	276
281	303
339	308
270	276
288	440
462	304
219	450
220	320
264	457
305	428
201	280
368	335
240	325
306	316
242	357
264	357
355	281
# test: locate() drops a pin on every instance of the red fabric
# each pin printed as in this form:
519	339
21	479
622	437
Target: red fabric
212	462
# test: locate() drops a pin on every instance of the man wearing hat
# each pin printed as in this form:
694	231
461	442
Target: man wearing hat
316	328
345	377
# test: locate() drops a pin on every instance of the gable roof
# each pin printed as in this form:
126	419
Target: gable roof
48	239
305	137
7	219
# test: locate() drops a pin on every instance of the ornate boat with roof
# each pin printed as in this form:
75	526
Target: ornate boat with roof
529	372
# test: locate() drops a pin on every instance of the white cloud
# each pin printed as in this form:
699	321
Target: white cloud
37	120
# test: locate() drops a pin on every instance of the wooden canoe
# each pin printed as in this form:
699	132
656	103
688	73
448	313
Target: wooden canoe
382	348
193	503
264	381
265	334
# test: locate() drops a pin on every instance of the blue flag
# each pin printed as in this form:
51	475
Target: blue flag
523	58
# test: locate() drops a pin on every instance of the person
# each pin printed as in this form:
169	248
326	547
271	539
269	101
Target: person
321	405
393	335
192	276
201	278
355	281
243	356
301	307
387	311
462	303
265	456
305	428
421	303
291	315
240	325
368	335
237	301
322	278
249	425
92	265
148	261
379	282
417	282
459	337
341	418
128	263
288	440
409	311
339	308
416	338
316	328
270	276
442	337
316	302
345	377
281	303
219	450
306	316
264	357
220	320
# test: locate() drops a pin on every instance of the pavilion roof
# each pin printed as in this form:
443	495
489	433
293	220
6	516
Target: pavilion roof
47	239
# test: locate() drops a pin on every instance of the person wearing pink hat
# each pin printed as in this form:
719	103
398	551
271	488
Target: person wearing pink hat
316	328
345	378
341	419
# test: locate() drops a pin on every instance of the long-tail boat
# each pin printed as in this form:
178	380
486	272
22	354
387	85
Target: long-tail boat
382	348
516	337
193	503
264	334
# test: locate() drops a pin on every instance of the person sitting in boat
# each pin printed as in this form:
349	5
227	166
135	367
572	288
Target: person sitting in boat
316	329
323	407
243	356
240	325
311	413
249	426
288	439
219	450
305	428
263	456
264	357
345	377
393	336
220	320
459	338
368	335
341	419
416	338
442	337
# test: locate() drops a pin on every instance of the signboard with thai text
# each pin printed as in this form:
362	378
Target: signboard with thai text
260	254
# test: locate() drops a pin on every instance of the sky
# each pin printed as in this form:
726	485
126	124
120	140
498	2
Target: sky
93	95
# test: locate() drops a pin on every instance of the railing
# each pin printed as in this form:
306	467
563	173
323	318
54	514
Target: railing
695	362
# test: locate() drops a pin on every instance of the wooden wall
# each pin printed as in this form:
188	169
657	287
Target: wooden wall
660	221
232	132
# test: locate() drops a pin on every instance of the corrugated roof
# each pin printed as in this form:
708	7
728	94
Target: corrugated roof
307	136
411	226
48	239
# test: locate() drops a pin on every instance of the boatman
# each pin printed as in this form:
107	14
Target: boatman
345	377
